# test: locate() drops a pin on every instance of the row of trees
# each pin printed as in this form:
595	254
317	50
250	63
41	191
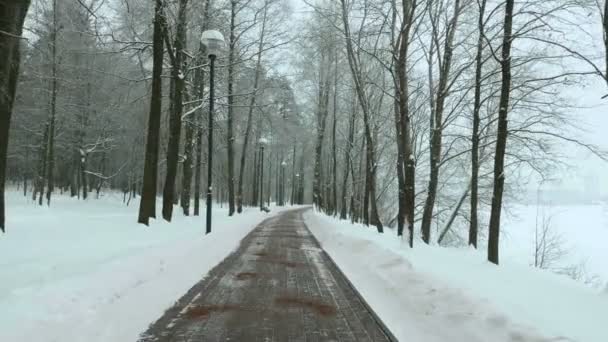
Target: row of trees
475	92
91	73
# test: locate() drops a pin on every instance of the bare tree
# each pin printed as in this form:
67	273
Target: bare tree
147	206
178	76
405	145
363	102
12	17
437	113
473	225
501	136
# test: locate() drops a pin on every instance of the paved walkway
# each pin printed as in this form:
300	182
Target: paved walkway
278	286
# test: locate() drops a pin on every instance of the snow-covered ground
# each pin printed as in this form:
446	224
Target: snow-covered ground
86	271
432	293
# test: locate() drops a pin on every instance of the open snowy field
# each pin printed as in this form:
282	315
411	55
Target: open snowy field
86	271
432	293
583	230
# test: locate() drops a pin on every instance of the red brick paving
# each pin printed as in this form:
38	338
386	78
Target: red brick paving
278	286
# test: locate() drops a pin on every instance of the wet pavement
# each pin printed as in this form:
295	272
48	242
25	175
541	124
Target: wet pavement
278	286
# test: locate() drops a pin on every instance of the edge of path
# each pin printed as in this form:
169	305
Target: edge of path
375	316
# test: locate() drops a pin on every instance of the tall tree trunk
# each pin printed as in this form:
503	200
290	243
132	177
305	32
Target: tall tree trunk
188	163
12	15
42	165
358	184
147	206
268	191
405	137
400	174
395	41
349	146
175	121
293	174
473	222
199	161
322	111
256	175
436	128
252	101
605	29
370	150
103	170
229	119
501	136
334	183
365	211
26	173
277	183
51	137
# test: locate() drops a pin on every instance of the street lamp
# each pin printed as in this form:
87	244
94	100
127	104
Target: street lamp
262	142
297	189
213	42
282	187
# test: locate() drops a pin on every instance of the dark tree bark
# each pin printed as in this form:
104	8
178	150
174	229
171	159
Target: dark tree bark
473	222
281	179
175	121
395	40
42	155
370	149
366	192
252	101
100	180
277	183
229	120
187	166
199	161
436	127
51	135
334	183
400	172
358	184
293	175
404	132
605	29
12	15
26	173
147	205
321	115
501	135
347	166
83	155
256	176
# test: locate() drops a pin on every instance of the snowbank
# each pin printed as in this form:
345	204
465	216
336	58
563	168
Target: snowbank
442	294
86	271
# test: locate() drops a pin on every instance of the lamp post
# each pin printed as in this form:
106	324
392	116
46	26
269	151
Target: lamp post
214	42
282	187
297	189
262	143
